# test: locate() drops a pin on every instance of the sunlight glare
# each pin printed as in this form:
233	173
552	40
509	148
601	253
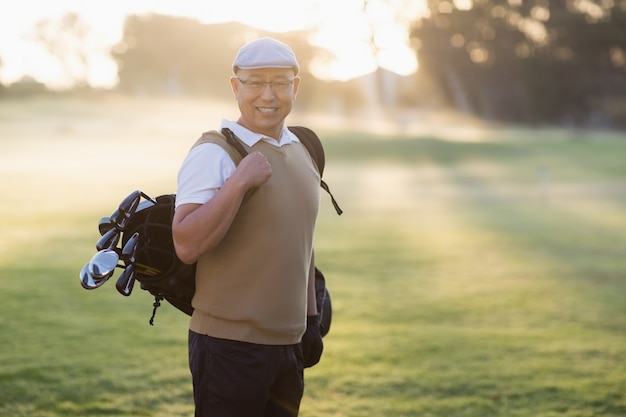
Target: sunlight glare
464	4
340	27
363	41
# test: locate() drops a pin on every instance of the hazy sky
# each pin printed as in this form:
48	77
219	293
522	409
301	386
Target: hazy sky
339	25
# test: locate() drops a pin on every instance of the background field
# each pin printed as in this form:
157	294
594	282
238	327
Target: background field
477	271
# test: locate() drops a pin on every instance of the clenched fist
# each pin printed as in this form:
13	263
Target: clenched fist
254	170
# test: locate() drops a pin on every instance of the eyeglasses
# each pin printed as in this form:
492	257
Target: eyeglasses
259	86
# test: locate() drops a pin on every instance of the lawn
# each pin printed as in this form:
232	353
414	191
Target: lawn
482	277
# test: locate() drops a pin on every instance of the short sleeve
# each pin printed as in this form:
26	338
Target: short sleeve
204	171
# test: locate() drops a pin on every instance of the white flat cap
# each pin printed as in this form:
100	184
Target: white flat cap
265	53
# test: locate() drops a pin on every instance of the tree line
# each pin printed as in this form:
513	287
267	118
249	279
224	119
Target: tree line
523	61
534	62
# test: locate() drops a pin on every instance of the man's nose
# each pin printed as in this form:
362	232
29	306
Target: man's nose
268	91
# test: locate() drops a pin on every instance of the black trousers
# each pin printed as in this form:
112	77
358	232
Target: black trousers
238	379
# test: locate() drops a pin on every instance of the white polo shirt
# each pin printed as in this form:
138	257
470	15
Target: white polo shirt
207	166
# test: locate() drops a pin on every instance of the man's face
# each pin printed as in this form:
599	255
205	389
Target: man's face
264	107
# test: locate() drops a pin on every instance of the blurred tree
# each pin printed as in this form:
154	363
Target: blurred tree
534	61
387	25
170	54
67	39
174	55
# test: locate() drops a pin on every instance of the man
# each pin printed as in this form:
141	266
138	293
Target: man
250	228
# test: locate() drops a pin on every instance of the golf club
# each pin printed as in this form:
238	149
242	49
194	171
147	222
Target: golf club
126	281
130	249
108	240
104	225
119	220
127	208
103	264
88	282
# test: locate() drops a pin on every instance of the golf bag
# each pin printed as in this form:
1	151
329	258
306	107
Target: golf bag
157	268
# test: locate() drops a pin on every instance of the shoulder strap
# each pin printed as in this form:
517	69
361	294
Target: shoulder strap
234	142
313	144
227	141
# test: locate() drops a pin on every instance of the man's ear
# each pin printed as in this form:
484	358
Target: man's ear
234	85
296	86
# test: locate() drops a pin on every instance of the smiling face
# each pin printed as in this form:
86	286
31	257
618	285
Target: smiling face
264	107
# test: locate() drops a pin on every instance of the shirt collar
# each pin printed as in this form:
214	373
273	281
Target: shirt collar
250	138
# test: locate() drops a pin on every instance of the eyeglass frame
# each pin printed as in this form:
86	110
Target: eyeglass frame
258	85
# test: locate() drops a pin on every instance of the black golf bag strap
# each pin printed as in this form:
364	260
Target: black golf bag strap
313	144
332	197
234	142
155	305
227	141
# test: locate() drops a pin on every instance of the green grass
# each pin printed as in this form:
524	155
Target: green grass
477	279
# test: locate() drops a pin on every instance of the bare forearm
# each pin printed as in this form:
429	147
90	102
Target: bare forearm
199	228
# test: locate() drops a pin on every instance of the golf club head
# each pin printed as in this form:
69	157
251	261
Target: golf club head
86	280
130	203
103	264
126	281
104	225
89	282
130	249
119	220
126	209
108	240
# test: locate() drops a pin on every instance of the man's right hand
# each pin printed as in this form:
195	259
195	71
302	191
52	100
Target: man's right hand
254	170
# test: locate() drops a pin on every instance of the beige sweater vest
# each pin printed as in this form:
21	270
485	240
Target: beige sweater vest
253	286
